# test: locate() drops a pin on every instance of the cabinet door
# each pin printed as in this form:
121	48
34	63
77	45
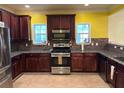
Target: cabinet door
90	62
44	62
77	62
120	76
6	18
25	26
31	64
16	70
111	78
14	28
65	22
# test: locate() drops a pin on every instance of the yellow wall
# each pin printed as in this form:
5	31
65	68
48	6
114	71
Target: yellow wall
97	20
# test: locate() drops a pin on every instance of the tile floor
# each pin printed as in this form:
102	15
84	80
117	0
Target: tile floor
46	80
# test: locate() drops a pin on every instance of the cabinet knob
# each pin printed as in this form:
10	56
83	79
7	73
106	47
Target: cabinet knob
116	72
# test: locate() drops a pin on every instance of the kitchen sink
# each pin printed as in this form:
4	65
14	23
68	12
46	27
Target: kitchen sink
119	58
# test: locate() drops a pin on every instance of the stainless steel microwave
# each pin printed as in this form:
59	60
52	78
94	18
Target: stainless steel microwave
61	34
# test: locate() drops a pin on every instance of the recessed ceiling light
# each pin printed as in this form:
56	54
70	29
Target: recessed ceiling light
27	6
86	4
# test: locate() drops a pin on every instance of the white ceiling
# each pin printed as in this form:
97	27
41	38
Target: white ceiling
53	7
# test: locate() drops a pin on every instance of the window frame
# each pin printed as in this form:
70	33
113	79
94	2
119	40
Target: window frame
34	35
89	35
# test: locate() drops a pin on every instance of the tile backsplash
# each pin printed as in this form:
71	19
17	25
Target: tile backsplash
115	48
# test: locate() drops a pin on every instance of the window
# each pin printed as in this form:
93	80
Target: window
40	34
83	34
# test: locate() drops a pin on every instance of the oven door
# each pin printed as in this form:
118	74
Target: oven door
60	61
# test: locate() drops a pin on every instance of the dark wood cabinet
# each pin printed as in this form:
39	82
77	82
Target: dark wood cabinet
15	36
25	28
16	66
77	62
37	62
120	76
65	22
44	62
111	78
60	22
102	65
90	62
86	62
5	17
31	64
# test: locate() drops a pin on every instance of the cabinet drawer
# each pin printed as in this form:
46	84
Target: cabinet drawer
90	54
44	54
76	54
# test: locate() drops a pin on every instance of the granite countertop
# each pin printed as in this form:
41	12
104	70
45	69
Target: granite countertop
106	53
109	54
30	51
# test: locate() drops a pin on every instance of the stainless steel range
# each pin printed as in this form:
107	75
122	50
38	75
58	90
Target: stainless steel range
60	56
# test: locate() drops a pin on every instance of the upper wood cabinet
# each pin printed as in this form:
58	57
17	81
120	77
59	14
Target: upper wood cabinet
15	36
25	27
60	22
5	17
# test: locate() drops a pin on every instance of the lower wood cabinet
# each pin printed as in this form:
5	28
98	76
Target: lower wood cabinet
44	62
111	72
84	62
120	76
90	62
16	66
31	62
77	62
37	62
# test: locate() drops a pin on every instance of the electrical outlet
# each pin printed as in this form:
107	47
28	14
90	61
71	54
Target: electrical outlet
115	46
97	44
26	45
121	48
92	44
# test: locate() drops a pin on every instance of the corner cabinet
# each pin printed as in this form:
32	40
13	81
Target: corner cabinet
25	27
